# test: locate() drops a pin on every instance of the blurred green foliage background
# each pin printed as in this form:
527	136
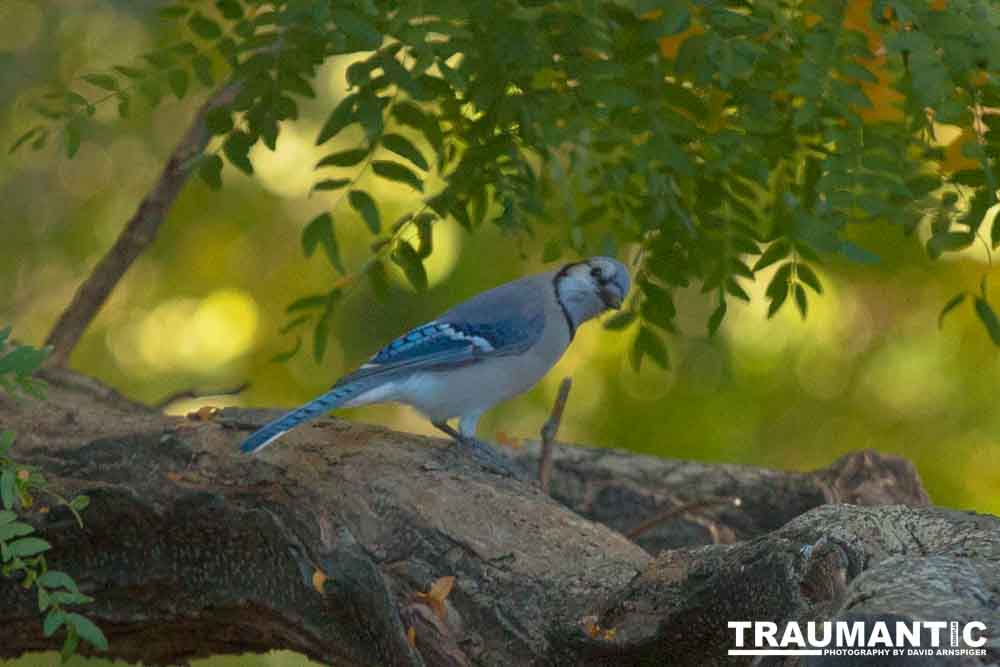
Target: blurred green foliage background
201	310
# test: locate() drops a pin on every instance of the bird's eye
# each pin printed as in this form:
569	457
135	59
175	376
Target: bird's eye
595	272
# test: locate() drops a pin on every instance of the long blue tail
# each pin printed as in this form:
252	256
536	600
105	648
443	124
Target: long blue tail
271	431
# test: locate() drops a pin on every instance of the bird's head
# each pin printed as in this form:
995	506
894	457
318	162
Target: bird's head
588	288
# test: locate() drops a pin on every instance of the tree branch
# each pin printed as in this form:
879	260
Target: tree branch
549	432
138	234
333	542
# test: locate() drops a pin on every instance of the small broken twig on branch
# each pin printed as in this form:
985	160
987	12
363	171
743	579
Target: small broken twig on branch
139	233
194	393
549	431
674	512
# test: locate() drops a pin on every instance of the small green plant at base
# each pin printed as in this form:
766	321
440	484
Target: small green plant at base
22	552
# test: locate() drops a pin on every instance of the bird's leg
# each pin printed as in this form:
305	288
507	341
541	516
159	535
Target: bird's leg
481	452
447	429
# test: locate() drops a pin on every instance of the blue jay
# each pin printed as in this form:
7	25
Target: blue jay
490	348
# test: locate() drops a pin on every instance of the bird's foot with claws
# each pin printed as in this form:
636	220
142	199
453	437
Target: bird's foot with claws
482	453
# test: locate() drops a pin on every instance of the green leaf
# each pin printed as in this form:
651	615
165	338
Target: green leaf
103	81
72	137
237	148
715	320
204	27
362	202
953	303
53	621
70	597
202	66
657	305
347	158
320	232
425	234
948	242
402	146
130	72
775	252
989	319
307	303
9	531
23	359
620	320
57	579
6	442
809	277
87	631
394	171
356	26
800	300
79	503
733	287
230	9
321	335
29	546
282	357
178	80
777	292
407	259
341	116
648	343
210	171
852	69
8	488
24	138
331	184
219	120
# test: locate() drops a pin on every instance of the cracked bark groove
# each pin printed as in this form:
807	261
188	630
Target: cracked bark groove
192	549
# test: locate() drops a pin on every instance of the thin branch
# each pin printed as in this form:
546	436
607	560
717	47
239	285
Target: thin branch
139	233
674	512
549	431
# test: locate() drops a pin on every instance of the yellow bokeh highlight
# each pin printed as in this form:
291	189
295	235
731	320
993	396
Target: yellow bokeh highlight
186	334
288	170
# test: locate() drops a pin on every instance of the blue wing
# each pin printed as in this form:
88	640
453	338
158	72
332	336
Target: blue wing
443	344
435	346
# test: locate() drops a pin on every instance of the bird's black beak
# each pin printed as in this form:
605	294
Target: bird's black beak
611	297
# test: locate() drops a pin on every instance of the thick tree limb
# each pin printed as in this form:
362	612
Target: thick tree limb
138	234
624	491
331	543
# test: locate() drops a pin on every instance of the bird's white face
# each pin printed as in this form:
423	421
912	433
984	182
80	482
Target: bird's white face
588	288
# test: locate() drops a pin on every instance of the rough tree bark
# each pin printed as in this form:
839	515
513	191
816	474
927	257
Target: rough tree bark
328	543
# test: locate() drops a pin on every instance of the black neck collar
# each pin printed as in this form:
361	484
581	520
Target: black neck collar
555	287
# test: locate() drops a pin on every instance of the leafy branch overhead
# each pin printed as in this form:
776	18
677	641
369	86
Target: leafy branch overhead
731	142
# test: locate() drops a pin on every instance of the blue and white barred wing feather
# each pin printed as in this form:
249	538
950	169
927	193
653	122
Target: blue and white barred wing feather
436	346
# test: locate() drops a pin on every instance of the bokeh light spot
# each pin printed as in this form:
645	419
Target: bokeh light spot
442	261
185	334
